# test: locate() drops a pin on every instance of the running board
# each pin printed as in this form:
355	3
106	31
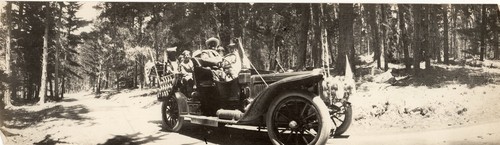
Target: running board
209	121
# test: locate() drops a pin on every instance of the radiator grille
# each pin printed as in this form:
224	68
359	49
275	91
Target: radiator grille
257	88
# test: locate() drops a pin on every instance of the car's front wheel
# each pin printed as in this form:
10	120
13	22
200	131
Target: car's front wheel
342	119
172	121
298	120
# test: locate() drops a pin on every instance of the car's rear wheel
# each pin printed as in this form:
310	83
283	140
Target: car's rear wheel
342	119
298	120
172	121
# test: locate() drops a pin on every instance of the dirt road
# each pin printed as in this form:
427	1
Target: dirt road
131	118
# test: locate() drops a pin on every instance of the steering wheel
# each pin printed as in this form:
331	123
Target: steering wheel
224	63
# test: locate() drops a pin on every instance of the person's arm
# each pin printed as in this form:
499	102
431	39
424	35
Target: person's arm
209	59
229	61
182	70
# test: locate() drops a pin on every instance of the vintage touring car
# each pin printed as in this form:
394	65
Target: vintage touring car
304	107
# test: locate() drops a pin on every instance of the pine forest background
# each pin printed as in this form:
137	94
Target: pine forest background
43	55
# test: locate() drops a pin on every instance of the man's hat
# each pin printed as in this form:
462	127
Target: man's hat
212	39
186	52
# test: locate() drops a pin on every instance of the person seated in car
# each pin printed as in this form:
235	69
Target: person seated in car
223	68
186	65
186	68
209	56
230	65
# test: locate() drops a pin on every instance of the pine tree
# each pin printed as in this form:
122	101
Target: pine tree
43	83
494	28
304	14
316	44
8	69
346	42
384	28
445	39
402	9
375	41
483	32
426	35
417	14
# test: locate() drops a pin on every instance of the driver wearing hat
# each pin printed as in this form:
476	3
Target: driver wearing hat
210	54
213	45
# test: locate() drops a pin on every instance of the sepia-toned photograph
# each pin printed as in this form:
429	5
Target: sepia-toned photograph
249	73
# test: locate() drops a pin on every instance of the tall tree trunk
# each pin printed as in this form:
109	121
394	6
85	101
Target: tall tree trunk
8	69
225	20
454	34
404	37
346	42
30	95
445	42
99	74
56	64
494	29
43	82
385	46
465	46
106	83
483	32
156	45
426	23
237	23
51	89
63	88
64	77
435	43
375	43
324	40
135	73
316	44
141	70
332	33
417	13
304	14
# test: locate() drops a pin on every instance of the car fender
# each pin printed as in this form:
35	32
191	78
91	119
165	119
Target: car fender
286	86
181	102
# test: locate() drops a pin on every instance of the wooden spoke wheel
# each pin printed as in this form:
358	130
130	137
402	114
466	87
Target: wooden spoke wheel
342	119
298	120
170	115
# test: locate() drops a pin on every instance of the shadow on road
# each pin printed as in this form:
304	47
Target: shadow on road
437	77
48	140
131	139
107	94
69	100
225	135
21	118
341	136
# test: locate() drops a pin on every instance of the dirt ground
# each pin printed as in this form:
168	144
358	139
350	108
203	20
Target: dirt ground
449	105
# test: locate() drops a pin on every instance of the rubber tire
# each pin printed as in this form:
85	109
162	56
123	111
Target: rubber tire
326	124
342	128
177	127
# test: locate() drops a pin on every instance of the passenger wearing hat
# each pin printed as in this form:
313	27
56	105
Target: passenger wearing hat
213	45
230	65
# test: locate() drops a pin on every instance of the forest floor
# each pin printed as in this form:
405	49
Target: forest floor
446	105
